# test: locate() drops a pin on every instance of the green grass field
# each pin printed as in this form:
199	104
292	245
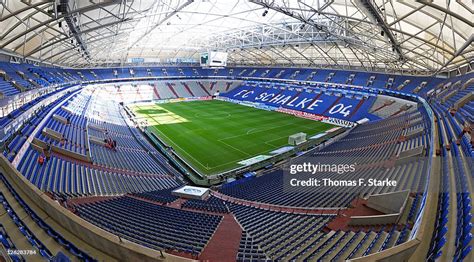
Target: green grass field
214	135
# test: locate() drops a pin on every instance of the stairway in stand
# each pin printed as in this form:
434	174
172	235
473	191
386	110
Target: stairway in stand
224	244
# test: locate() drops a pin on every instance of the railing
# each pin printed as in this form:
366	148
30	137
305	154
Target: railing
11	103
431	154
15	124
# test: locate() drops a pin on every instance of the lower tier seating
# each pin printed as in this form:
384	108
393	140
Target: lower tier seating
272	188
212	204
151	225
373	146
38	236
276	236
163	196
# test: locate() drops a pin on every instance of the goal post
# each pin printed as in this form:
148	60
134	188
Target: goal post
297	139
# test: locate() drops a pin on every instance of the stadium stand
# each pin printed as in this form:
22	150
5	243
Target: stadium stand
454	199
152	225
365	144
34	230
89	173
71	177
377	145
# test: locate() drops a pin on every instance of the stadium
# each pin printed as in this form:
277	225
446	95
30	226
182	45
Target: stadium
237	130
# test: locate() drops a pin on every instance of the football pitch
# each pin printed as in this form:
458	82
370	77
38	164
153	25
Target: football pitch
213	136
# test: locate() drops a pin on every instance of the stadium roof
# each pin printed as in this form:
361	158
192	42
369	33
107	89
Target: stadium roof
422	36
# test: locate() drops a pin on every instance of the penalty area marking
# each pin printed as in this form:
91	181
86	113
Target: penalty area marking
231	146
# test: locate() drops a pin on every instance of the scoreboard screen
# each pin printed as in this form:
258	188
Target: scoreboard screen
213	59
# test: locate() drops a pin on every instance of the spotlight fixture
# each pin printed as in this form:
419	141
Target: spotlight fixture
265	13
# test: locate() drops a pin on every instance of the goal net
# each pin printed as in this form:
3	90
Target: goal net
297	139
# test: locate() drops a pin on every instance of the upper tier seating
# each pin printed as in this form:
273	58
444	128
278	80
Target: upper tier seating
76	179
30	76
8	118
7	88
73	132
15	143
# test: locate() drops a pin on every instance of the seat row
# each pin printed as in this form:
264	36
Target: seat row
212	204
